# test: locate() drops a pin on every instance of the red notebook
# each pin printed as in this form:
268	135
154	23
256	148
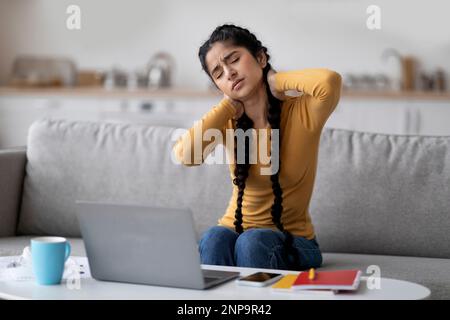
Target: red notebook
329	280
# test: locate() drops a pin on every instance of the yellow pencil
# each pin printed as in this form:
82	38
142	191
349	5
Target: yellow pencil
312	274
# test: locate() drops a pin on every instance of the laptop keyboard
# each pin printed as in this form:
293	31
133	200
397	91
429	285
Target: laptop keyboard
209	279
210	275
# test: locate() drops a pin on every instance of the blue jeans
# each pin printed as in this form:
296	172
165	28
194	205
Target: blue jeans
256	248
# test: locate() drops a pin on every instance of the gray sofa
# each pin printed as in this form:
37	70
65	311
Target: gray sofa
378	199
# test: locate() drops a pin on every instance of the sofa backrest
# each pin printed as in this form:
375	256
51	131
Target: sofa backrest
373	194
111	162
383	194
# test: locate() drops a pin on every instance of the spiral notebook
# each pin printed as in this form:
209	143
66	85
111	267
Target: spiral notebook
329	280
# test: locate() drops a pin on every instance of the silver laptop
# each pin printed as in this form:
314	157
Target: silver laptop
144	245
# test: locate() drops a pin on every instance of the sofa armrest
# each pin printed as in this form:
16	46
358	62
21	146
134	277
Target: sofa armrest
12	173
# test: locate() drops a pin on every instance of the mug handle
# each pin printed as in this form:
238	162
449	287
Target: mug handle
68	251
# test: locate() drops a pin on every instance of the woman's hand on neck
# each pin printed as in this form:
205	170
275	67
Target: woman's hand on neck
272	85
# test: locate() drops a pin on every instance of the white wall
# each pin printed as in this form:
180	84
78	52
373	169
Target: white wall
308	33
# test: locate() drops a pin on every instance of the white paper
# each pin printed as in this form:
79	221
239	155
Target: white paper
19	268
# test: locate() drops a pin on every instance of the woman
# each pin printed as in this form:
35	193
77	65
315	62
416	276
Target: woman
267	223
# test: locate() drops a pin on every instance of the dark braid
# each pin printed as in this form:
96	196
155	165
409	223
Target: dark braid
242	37
274	117
241	170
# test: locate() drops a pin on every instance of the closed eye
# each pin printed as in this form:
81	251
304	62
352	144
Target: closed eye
231	62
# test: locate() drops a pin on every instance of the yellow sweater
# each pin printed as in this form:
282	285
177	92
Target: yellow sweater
302	120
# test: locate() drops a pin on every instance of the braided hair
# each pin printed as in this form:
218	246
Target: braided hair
242	37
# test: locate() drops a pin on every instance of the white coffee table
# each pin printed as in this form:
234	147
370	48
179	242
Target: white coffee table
91	289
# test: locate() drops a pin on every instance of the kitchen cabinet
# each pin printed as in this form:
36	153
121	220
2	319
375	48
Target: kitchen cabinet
17	114
421	117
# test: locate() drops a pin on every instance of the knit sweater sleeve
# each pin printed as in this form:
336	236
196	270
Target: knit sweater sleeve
194	146
321	90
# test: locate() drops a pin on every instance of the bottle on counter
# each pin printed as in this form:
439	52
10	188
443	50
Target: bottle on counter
440	80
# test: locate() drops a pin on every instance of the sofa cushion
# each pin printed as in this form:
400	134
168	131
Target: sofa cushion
382	194
100	161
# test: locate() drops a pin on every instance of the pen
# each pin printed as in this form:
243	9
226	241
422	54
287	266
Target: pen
312	274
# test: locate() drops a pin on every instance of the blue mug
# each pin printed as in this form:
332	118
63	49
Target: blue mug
48	255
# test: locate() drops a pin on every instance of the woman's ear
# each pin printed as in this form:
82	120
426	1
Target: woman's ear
262	59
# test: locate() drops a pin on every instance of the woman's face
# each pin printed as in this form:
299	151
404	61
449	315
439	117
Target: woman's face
228	64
